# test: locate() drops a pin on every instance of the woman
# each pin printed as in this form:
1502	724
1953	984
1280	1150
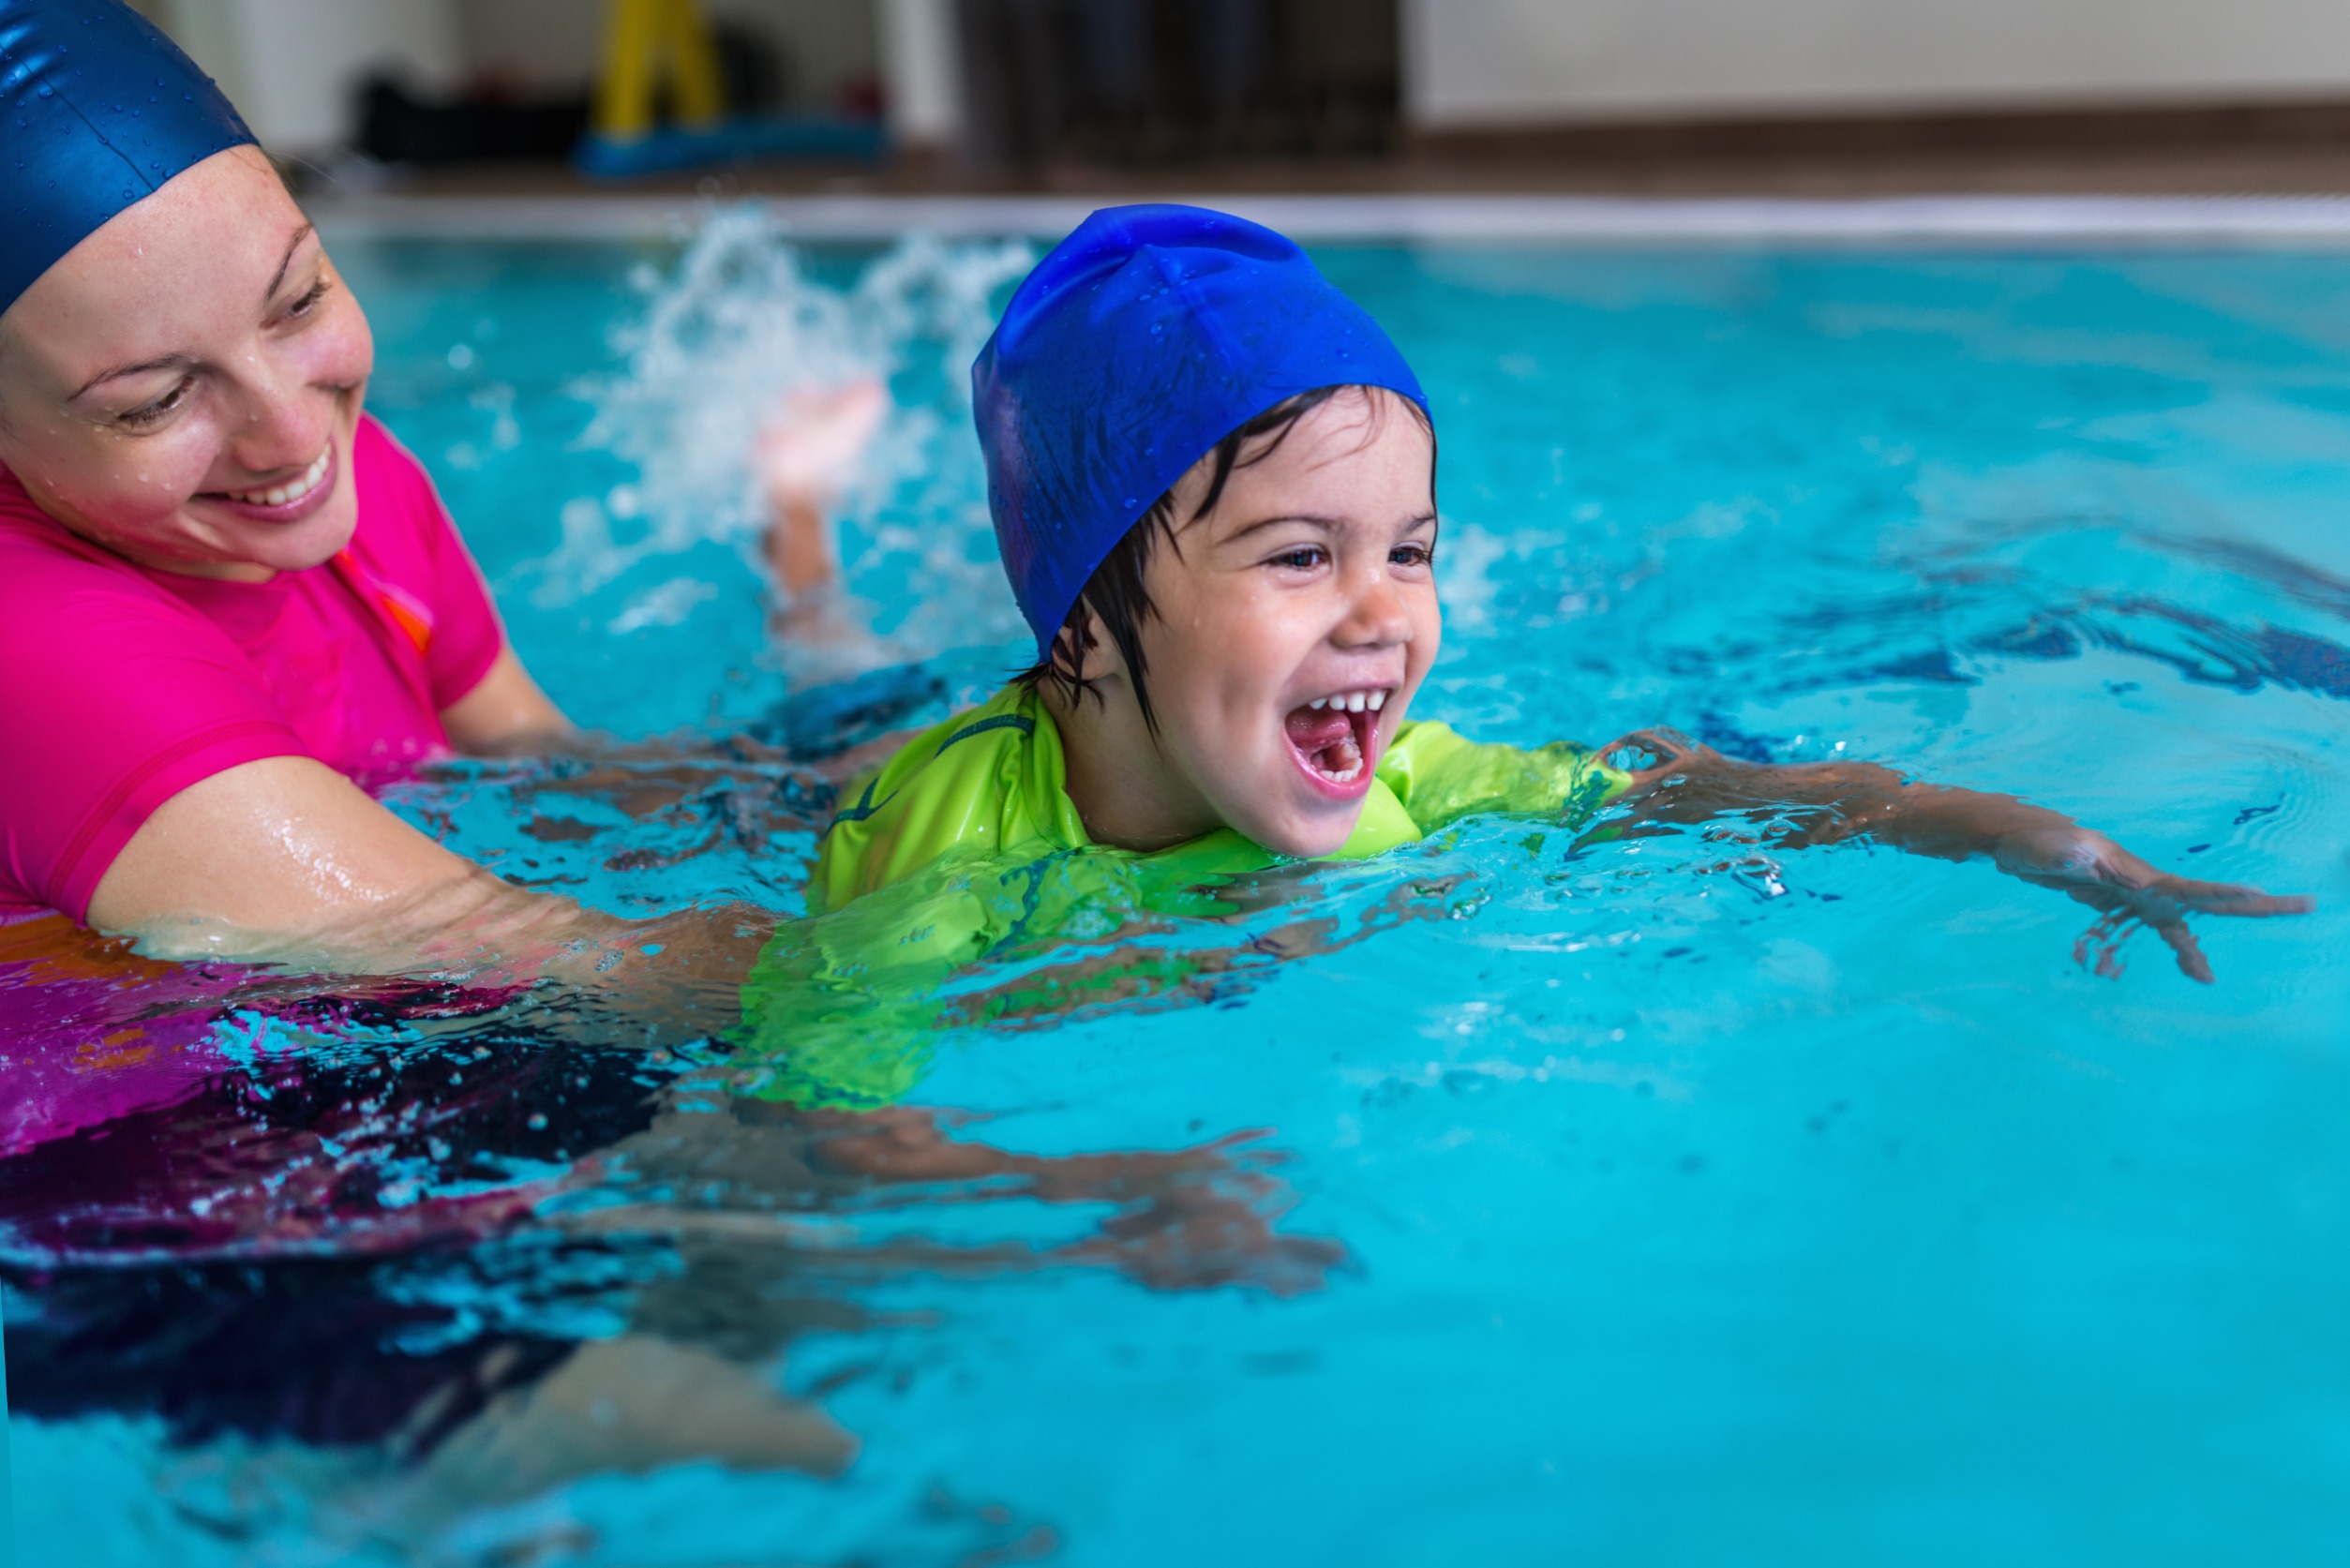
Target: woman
229	599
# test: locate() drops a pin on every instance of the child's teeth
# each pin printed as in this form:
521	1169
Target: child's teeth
1378	700
1318	702
1354	702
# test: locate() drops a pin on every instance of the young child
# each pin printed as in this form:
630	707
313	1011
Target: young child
1213	482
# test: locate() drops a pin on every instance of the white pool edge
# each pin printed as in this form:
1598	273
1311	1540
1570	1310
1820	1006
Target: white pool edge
2253	221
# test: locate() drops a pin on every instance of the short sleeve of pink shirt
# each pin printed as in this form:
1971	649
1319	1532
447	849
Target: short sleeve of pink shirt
120	686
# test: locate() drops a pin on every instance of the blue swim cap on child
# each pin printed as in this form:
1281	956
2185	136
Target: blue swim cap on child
97	110
1144	340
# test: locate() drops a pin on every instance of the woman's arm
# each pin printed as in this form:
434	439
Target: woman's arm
285	860
506	714
1823	803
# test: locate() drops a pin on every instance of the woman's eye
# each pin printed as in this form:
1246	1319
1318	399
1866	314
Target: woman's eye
147	414
309	301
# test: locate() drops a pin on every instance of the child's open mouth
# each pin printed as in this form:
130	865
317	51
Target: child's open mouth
1334	737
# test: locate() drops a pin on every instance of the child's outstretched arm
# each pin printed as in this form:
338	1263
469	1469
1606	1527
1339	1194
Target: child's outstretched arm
1679	780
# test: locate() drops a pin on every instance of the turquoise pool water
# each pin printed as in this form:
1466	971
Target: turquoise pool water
1631	1205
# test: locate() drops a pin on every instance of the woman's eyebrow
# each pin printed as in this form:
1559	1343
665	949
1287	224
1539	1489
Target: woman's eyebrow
287	261
169	362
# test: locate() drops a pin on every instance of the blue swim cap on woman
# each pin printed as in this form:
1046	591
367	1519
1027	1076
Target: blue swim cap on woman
1144	340
97	110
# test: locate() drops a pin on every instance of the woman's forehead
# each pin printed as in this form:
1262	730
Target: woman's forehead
203	254
210	220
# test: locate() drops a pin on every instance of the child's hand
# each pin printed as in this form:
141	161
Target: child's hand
1676	780
2093	869
809	448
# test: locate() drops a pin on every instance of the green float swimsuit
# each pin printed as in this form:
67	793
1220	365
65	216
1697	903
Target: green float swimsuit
965	846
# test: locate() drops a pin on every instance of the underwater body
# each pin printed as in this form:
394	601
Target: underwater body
1657	1200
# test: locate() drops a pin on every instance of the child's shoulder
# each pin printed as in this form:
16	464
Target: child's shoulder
1440	775
988	777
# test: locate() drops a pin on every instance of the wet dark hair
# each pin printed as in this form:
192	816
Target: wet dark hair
1115	591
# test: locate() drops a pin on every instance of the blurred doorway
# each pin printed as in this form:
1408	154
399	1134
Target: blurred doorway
1126	83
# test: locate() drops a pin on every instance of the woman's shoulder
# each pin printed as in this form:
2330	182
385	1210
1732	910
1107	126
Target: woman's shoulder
398	499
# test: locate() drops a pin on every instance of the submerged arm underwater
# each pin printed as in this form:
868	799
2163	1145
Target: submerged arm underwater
1796	805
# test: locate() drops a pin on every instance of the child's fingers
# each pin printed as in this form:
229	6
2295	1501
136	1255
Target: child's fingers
2099	949
2228	898
1666	745
2184	948
1651	756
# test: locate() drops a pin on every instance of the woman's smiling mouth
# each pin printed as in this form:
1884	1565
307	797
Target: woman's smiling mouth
1335	739
289	501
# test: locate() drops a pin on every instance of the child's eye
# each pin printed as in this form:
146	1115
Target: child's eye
1305	558
1411	554
148	415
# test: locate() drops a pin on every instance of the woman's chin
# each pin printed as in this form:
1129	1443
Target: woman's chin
295	547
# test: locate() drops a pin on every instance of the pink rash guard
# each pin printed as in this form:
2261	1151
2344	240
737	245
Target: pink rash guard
120	685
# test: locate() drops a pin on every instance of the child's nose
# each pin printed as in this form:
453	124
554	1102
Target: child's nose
1377	617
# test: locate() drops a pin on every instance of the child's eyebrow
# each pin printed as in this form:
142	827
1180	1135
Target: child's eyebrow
1314	519
1327	525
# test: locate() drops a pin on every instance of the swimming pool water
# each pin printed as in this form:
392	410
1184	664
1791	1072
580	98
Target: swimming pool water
1634	1202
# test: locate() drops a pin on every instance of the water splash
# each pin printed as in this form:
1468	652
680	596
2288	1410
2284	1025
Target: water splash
742	318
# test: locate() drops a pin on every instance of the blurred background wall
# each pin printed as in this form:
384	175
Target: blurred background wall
297	68
1479	62
1027	90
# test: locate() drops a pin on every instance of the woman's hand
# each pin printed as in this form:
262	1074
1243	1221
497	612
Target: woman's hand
1674	779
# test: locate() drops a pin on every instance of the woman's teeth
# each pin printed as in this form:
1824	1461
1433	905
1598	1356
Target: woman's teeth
293	490
1354	702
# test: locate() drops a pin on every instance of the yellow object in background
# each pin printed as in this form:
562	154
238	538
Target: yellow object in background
645	40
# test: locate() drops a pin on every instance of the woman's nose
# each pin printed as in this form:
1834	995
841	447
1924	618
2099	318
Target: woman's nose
286	419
